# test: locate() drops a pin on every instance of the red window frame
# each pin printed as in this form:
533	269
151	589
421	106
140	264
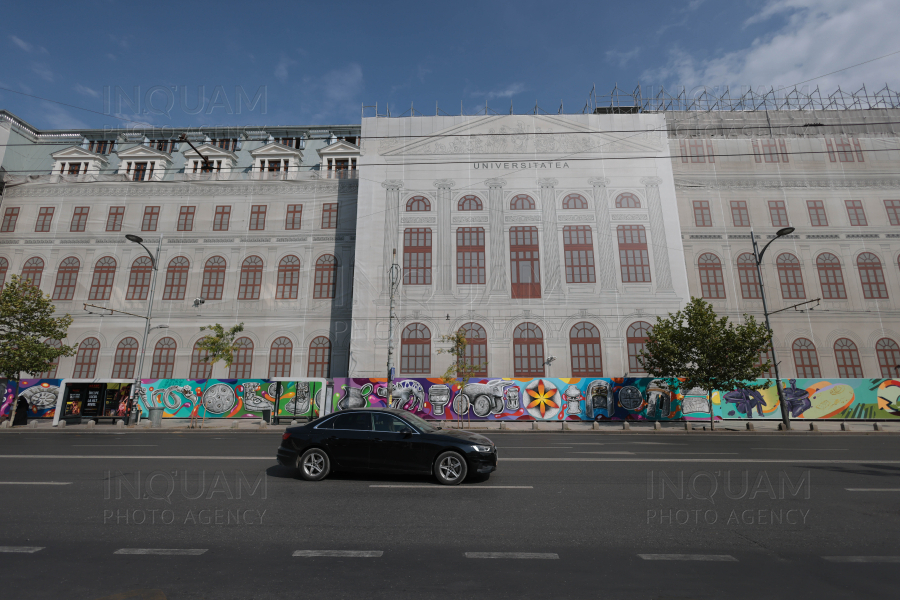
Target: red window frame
831	277
893	211
319	361
114	218
186	218
856	213
790	277
871	276
125	359
329	215
525	261
151	218
139	278
4	267
748	276
702	214
636	339
66	279
574	202
54	366
325	277
418	204
10	217
415	350
79	219
417	256
242	367
476	349
586	350
176	278
578	248
44	219
200	369
86	359
806	359
634	260
258	217
163	366
222	218
294	217
280	357
470	262
528	351
102	282
251	278
888	357
288	285
778	213
470	202
627	200
817	215
712	280
846	354
33	270
213	286
740	216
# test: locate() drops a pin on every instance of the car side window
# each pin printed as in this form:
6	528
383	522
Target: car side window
355	421
327	424
390	423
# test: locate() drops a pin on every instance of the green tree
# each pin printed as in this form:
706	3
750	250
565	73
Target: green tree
460	370
705	351
220	344
26	323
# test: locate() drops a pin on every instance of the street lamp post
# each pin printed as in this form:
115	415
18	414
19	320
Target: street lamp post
757	256
154	265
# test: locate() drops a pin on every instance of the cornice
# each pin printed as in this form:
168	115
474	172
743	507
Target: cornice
173	190
786	182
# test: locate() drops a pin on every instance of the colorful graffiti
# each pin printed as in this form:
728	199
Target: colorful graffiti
40	394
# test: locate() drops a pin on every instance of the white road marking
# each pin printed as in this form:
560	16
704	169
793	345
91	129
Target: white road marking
459	487
606	452
792	449
163	551
704	557
339	553
135	456
862	559
872	489
537	447
708	460
113	445
711	453
35	483
549	555
21	549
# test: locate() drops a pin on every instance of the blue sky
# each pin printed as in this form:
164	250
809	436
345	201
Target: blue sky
318	62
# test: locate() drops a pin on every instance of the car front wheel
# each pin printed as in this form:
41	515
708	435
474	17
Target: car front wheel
314	464
450	468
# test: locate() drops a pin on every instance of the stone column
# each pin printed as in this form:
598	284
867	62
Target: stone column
391	231
498	280
444	232
550	268
606	261
657	235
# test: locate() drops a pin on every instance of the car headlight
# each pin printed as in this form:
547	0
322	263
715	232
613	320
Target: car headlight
479	448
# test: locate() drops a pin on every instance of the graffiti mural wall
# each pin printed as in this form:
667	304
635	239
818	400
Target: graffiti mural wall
40	394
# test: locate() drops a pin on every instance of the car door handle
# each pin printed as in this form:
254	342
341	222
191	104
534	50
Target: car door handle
378	439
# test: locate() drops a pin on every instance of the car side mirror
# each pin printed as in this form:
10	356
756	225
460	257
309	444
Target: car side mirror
407	432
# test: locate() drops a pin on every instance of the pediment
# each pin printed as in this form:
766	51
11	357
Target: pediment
210	150
141	151
339	147
517	134
77	153
276	149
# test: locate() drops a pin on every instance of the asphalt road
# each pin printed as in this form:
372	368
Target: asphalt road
168	515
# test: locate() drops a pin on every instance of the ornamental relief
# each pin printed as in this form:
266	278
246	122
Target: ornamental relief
418	219
145	189
576	218
516	219
764	183
630	217
478	219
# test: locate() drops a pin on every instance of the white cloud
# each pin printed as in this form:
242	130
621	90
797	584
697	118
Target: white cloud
86	91
42	71
58	117
21	43
281	69
813	38
508	91
621	58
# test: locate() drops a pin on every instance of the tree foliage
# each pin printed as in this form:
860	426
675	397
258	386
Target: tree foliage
706	351
220	344
26	322
460	370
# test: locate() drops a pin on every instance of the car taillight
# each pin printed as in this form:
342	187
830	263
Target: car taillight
285	436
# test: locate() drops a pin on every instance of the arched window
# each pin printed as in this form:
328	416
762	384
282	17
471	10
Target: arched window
102	283
32	270
139	279
319	363
806	359
51	373
749	276
528	351
213	279
476	348
200	368
830	277
280	358
126	355
251	278
470	203
636	338
86	359
574	201
847	357
790	277
66	278
288	278
584	343
627	200
415	350
4	267
418	204
872	276
888	357
326	277
164	359
243	359
176	278
521	202
712	283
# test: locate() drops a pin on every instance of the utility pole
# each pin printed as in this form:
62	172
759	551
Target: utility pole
154	263
395	282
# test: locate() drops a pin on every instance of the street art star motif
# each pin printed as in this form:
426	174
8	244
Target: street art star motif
543	398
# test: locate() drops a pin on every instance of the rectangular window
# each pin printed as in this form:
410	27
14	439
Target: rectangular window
739	213
525	262
151	218
100	146
115	218
702	216
9	219
578	244
294	216
893	211
163	145
222	218
856	213
79	218
817	216
778	212
470	256
186	218
417	256
769	150
633	256
139	171
258	217
45	218
697	150
329	215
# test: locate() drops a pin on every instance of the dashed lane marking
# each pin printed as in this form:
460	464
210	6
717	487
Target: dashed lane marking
537	555
703	557
459	487
863	559
21	549
339	553
163	551
872	489
35	483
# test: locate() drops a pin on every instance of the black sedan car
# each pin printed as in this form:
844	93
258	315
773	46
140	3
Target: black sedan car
387	440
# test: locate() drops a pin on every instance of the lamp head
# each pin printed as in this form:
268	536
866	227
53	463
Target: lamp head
785	231
134	238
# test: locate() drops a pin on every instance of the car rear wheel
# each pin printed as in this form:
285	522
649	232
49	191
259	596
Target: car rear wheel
314	464
450	468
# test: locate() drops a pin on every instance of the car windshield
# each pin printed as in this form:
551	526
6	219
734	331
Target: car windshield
420	423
